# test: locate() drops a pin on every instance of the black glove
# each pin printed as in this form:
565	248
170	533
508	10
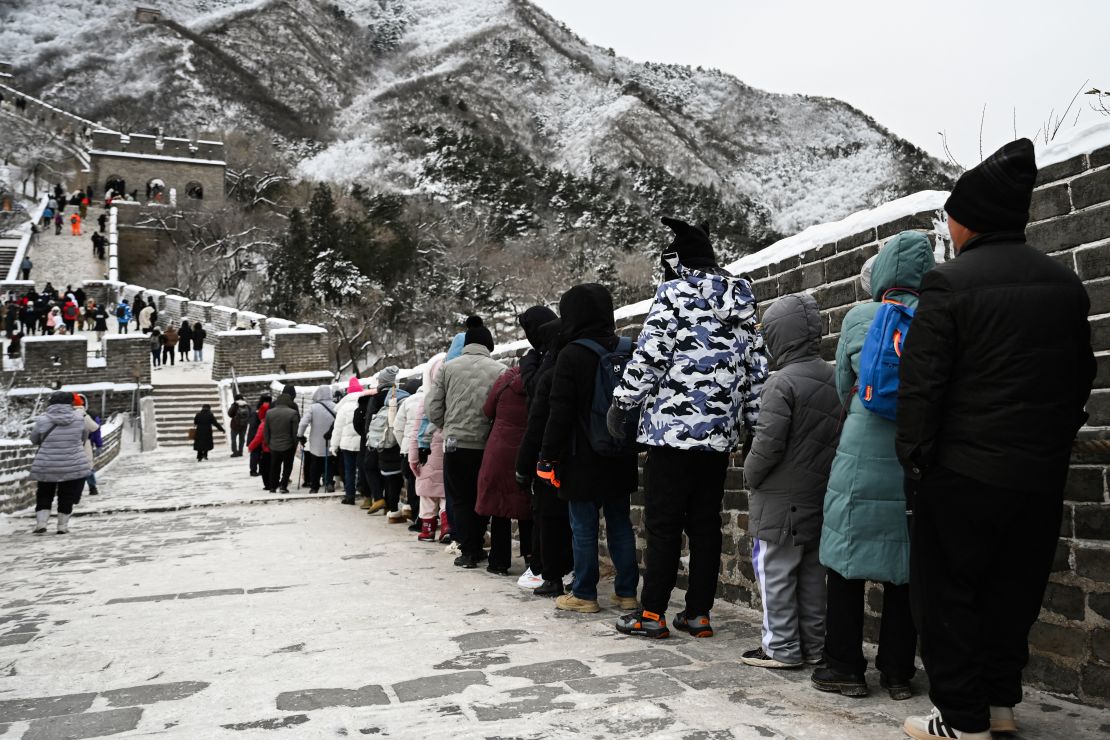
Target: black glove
302	440
615	421
424	453
524	481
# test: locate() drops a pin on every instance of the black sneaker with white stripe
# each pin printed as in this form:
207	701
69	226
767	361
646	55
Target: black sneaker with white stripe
934	726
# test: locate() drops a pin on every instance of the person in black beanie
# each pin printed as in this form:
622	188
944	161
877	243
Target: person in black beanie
993	380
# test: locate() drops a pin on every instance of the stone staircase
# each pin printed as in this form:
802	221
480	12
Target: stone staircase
174	409
8	247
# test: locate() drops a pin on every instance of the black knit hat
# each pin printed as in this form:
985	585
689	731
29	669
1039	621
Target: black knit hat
62	397
994	195
691	243
289	390
477	333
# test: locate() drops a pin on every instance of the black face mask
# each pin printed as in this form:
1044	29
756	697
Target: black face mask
668	272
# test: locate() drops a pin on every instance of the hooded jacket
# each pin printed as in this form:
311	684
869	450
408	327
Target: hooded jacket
799	423
258	440
318	421
498	492
699	364
539	402
344	436
429	476
454	404
60	433
280	430
865	534
587	313
532	321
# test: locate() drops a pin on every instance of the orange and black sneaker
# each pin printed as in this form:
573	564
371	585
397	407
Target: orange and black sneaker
696	626
644	624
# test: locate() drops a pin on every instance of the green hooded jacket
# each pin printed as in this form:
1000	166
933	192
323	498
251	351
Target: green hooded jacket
865	533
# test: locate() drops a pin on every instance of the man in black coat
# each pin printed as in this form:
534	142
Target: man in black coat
995	372
591	483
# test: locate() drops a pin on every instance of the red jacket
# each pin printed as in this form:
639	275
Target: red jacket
498	492
259	441
69	311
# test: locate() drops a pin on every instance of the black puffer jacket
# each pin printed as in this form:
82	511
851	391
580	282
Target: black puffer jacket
532	321
996	367
798	428
539	403
587	313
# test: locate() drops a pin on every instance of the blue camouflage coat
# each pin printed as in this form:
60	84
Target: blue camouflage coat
699	364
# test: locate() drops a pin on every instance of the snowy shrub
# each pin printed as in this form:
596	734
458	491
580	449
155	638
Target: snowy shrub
15	419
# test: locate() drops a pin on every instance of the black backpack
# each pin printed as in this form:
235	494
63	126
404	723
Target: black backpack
610	369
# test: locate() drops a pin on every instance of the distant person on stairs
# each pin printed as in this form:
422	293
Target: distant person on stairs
280	433
156	348
169	346
185	342
25	267
203	422
60	465
198	342
123	316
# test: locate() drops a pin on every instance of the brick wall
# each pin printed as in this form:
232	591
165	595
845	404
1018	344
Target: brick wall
49	361
284	350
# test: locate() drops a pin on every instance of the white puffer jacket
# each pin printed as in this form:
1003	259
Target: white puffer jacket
344	436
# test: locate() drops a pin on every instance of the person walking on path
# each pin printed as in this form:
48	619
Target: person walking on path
239	414
93	440
425	458
592	484
156	342
169	346
25	268
787	471
137	310
198	341
70	314
185	342
994	377
345	441
258	446
99	321
60	466
314	432
75	224
454	404
146	319
203	424
102	222
865	534
123	316
694	379
82	204
499	496
280	434
58	222
252	432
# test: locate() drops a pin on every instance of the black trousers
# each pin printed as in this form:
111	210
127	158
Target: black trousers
501	541
255	456
264	471
460	471
314	471
410	487
979	563
281	467
844	629
683	490
557	557
374	485
393	485
67	491
535	562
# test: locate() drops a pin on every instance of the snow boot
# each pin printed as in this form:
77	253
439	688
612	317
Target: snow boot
427	530
644	624
549	589
63	523
846	684
365	503
898	689
41	518
376	506
933	726
94	491
1002	720
445	537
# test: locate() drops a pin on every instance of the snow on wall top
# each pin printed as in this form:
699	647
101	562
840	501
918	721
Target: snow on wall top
1080	141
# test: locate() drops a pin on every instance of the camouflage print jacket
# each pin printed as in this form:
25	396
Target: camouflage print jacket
698	365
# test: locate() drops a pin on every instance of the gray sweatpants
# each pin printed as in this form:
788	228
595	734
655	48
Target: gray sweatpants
792	581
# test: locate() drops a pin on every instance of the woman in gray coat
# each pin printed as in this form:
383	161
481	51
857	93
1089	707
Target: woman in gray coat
61	465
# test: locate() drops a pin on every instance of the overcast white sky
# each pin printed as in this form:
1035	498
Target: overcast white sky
916	67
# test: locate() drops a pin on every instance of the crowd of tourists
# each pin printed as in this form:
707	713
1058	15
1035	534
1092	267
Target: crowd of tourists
931	458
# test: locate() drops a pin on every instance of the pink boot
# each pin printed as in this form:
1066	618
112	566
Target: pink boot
444	529
427	530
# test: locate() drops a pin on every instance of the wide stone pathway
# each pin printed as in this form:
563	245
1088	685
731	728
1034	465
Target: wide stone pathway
308	619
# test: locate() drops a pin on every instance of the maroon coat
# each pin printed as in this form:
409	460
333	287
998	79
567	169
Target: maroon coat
498	493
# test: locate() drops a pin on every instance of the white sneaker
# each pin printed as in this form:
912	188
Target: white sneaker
395	517
1002	720
933	726
453	549
529	580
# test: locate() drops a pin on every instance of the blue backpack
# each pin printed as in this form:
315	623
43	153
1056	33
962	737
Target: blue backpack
610	368
881	355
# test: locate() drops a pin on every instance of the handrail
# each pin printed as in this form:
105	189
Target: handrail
25	241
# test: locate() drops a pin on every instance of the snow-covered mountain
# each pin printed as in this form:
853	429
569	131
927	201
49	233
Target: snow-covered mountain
489	101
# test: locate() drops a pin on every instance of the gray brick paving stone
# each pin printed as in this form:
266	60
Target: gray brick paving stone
214	592
137	599
478	659
77	726
309	699
17	638
724	675
491	639
274	723
433	687
551	671
152	693
644	659
519	702
635	685
14	710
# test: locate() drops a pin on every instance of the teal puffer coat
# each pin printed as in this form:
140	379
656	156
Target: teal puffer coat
865	535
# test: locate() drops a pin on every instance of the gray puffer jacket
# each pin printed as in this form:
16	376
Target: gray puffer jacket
318	421
60	433
454	404
798	427
280	430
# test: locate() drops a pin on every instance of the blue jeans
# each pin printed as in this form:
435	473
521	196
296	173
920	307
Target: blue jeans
350	471
584	522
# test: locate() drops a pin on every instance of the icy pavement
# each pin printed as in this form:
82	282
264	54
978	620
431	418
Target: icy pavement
309	619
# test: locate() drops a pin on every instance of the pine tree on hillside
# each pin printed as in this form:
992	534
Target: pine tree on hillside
290	267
